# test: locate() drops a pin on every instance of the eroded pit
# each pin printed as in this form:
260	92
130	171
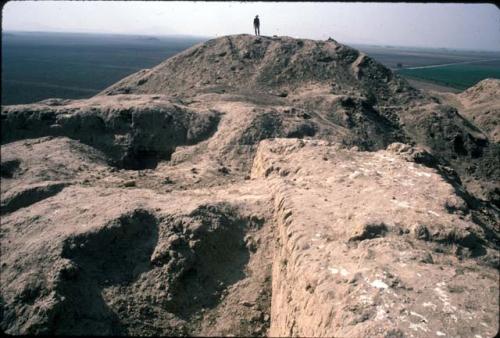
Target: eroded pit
210	255
132	137
9	168
164	275
142	159
112	256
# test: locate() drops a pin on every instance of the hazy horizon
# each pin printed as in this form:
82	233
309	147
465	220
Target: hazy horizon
212	37
452	26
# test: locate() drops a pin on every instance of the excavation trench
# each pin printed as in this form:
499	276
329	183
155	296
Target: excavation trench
205	273
132	138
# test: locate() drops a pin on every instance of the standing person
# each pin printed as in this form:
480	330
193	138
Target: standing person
256	25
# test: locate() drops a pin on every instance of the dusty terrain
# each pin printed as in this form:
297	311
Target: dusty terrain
481	105
251	187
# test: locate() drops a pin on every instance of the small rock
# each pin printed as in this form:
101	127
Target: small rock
247	303
69	270
304	115
251	243
356	278
427	258
167	180
258	330
368	231
223	170
421	232
130	183
394	333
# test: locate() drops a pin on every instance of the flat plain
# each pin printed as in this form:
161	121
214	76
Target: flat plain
37	66
40	65
455	69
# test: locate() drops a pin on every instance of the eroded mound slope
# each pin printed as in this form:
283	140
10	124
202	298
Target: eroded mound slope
242	63
93	260
135	132
163	207
482	106
317	75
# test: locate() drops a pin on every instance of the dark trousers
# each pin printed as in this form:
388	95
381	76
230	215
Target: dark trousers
257	30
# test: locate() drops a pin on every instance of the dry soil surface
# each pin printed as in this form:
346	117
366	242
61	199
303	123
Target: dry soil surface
253	186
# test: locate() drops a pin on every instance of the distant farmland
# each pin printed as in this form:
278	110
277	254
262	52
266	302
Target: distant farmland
460	76
37	66
457	69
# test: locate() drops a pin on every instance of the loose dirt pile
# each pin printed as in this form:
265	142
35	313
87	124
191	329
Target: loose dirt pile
252	186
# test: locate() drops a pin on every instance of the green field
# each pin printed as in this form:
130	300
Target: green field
460	76
37	66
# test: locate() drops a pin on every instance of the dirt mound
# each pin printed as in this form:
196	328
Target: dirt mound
129	264
344	86
340	94
263	64
483	92
482	106
135	133
252	186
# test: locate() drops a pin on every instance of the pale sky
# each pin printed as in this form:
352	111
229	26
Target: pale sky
468	26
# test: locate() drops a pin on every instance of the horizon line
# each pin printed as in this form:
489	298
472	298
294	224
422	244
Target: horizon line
383	45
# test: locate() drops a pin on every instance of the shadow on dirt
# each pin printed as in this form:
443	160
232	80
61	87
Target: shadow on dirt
111	256
132	138
212	256
29	196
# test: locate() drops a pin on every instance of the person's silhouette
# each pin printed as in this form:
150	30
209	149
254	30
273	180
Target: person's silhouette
256	25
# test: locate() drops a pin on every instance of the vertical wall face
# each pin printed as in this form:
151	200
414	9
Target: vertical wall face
297	310
361	254
281	321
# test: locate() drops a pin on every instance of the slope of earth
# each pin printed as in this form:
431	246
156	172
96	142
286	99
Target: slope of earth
160	208
343	85
243	63
101	258
480	104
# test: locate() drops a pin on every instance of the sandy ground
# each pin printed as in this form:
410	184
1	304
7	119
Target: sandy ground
251	187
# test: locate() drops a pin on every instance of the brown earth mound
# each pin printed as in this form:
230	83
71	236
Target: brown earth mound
252	186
